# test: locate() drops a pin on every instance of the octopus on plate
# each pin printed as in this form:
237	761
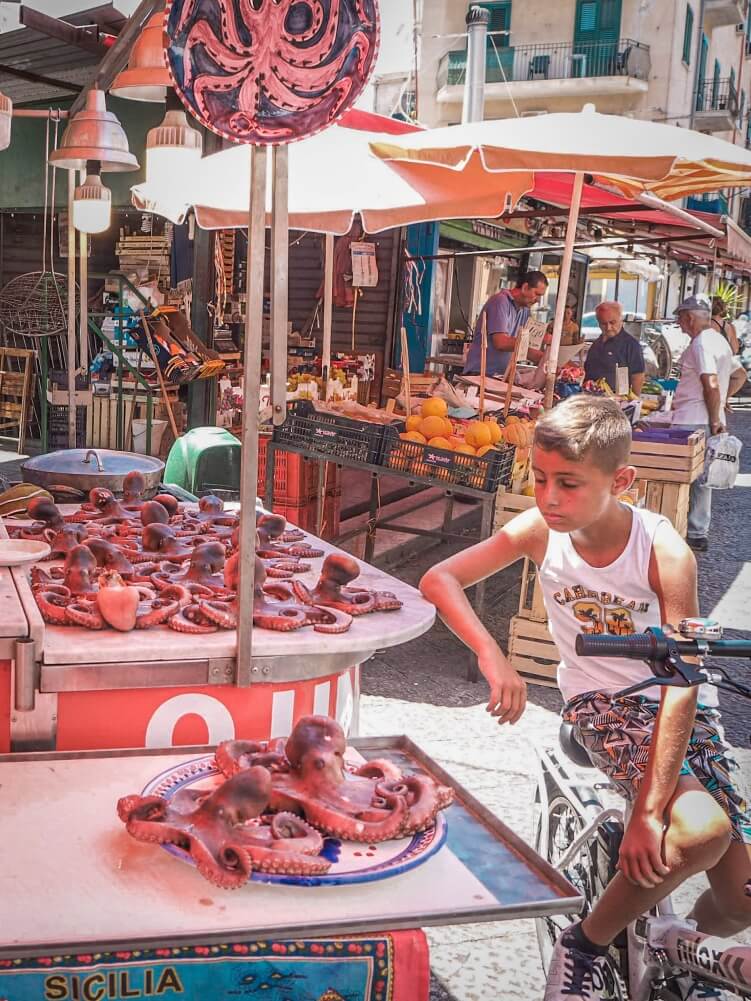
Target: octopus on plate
46	518
226	831
331	591
161	539
370	803
103	508
269	529
205	568
63	539
107	555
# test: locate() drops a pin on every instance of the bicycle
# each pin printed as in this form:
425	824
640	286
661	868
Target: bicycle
661	956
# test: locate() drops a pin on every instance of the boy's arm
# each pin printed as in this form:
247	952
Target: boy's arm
672	575
445	584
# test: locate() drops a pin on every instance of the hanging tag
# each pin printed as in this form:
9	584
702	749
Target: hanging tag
523	349
364	266
622	381
536	333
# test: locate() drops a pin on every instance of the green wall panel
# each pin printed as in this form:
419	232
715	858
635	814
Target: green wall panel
22	164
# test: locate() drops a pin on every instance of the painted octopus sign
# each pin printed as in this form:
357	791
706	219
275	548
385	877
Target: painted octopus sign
270	71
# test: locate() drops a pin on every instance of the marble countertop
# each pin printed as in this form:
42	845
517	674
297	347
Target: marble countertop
74	645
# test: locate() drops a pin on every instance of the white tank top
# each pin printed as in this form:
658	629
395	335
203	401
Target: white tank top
617	600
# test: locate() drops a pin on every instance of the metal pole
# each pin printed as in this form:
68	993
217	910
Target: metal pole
279	283
71	314
563	279
473	109
251	385
328	310
83	316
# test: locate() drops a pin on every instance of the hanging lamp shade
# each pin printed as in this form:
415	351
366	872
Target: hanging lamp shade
146	77
173	148
92	203
94	134
6	115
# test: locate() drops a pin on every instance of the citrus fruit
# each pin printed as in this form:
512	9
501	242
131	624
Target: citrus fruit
435	407
466	449
485	449
496	434
478	434
413	422
448	427
433	427
511	419
455	441
439	442
413	436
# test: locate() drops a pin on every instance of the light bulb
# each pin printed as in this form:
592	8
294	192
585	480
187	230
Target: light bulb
92	205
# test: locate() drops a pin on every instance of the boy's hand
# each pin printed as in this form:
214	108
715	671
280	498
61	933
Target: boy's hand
508	690
640	858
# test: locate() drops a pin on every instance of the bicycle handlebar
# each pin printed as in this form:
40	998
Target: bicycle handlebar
654	647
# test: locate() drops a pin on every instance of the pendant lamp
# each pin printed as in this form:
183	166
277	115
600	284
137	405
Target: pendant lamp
146	77
92	202
173	148
94	134
6	114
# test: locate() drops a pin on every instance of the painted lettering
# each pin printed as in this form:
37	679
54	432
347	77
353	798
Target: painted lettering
55	989
113	985
92	988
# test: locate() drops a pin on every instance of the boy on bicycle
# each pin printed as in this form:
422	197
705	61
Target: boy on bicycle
606	567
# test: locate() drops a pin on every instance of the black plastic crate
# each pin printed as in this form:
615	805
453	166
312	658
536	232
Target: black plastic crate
57	427
331	434
480	472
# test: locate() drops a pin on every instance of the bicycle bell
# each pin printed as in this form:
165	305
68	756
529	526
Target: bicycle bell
697	628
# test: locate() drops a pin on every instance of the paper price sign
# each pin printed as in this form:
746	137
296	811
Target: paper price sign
364	266
536	333
523	347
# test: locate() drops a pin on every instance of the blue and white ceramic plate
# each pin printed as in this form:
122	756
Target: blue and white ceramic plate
351	862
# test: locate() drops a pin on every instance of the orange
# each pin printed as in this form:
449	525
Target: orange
485	449
448	427
432	427
466	449
413	422
478	434
439	442
456	441
496	434
512	419
413	436
435	407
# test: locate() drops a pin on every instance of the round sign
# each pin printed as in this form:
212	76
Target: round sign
270	71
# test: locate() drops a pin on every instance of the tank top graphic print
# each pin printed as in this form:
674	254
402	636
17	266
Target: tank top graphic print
616	600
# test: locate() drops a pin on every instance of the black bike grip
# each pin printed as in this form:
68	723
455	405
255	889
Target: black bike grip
639	646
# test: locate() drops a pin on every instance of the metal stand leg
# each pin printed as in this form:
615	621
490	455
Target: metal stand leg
486	528
448	515
370	536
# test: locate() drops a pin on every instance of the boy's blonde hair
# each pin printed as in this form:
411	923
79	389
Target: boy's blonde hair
587	427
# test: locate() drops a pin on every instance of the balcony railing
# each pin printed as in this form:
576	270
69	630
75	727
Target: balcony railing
717	96
554	61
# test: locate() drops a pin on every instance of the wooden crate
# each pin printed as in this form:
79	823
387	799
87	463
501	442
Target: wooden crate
531	604
670	499
532	651
670	462
508	505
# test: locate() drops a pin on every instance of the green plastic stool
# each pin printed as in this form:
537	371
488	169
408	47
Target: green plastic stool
205	461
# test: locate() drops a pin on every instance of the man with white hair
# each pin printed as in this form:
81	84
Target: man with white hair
615	348
709	375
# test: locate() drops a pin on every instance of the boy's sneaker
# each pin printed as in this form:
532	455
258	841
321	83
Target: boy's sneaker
705	992
573	975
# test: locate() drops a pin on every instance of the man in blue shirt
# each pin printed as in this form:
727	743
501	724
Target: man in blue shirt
614	348
507	312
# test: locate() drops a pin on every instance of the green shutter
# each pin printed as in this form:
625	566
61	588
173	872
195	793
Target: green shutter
588	16
688	33
500	20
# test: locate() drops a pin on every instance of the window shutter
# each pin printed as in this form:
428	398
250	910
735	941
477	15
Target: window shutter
500	20
588	16
688	32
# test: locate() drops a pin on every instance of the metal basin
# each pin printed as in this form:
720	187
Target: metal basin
78	468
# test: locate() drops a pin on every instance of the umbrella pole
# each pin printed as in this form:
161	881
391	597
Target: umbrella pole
565	274
279	283
483	363
72	411
328	311
251	385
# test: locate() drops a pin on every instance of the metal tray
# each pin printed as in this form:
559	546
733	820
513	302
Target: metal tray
72	880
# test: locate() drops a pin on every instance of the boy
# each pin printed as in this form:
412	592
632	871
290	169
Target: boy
606	567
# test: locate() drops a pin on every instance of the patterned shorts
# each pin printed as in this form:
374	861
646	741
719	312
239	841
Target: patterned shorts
618	737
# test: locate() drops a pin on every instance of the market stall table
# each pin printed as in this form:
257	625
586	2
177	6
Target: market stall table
158	688
104	909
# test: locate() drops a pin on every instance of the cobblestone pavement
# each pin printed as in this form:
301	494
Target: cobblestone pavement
420	688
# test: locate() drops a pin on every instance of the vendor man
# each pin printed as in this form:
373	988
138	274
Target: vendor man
613	349
709	376
507	312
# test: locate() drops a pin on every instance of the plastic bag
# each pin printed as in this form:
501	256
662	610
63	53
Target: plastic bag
722	461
